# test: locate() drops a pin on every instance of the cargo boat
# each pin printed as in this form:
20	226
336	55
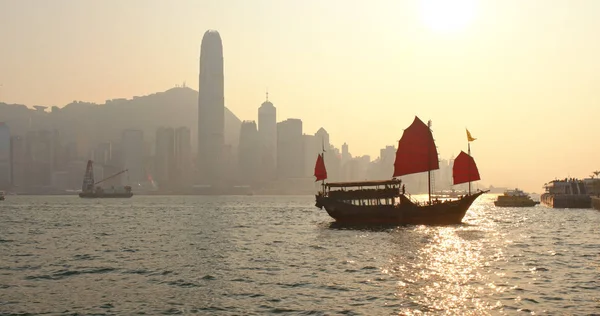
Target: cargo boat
567	193
596	202
90	189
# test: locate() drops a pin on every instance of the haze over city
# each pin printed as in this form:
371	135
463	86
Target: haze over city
521	76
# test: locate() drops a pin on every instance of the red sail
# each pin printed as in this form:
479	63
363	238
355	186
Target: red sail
416	150
320	171
464	169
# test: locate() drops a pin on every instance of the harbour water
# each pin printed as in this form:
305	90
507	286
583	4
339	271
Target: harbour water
257	255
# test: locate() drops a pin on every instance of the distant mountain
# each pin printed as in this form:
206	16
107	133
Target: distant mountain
101	122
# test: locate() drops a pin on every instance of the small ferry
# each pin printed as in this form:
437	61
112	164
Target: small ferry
515	198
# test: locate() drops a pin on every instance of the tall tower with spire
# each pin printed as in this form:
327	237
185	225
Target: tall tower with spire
267	133
211	109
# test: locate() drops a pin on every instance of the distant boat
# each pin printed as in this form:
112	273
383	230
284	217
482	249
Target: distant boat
90	189
2	196
567	193
386	202
515	198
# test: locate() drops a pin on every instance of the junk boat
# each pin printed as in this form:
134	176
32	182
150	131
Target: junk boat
90	189
515	198
386	202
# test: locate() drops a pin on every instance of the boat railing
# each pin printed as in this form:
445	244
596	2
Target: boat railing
364	194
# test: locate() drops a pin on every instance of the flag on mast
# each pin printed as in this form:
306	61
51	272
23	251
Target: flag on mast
469	137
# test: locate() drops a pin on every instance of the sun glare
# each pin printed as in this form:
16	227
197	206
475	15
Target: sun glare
447	15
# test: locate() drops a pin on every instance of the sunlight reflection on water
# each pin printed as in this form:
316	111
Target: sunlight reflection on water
270	255
446	274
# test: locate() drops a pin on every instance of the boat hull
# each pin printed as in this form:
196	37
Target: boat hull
566	200
105	195
405	213
596	202
516	203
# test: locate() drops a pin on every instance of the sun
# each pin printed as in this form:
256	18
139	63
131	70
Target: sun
447	15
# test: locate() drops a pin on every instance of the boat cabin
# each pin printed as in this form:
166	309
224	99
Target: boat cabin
569	186
383	192
515	192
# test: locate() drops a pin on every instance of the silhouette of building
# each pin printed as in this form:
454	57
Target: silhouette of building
312	148
102	153
164	158
211	109
17	158
183	156
5	165
249	153
323	138
290	149
345	154
40	157
267	133
332	155
384	168
132	150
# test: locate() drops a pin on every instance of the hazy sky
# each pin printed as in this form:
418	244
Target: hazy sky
522	75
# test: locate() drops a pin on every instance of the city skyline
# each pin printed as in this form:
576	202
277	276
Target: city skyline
507	75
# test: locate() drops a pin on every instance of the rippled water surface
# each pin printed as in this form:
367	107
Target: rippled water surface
257	255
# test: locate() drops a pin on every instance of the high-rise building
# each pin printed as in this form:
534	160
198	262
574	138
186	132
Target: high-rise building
183	156
290	149
164	158
211	109
102	153
312	148
323	138
267	133
345	154
333	160
5	165
18	162
249	154
132	150
40	157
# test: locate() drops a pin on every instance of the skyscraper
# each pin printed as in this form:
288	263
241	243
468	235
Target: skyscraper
183	156
5	166
164	158
290	149
211	109
249	154
132	144
267	134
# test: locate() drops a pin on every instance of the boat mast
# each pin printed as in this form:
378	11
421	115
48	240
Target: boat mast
429	164
323	156
469	148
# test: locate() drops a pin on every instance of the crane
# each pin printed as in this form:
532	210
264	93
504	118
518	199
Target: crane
110	177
